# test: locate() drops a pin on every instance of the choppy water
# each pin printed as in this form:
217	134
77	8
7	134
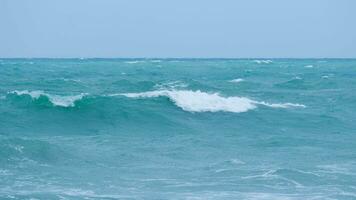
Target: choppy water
177	129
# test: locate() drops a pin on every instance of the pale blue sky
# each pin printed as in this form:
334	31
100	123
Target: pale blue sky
180	28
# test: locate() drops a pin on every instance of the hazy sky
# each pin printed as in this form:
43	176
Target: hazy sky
178	28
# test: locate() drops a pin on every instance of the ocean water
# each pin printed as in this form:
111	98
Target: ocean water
178	129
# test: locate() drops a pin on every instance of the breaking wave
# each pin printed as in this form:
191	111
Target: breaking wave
56	100
188	100
198	101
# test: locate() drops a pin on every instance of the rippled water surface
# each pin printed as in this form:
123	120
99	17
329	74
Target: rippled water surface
177	129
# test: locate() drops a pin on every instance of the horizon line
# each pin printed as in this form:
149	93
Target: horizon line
167	58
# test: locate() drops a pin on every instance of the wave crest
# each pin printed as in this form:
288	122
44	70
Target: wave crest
263	61
56	100
197	101
237	80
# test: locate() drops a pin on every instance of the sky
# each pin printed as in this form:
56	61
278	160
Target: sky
178	28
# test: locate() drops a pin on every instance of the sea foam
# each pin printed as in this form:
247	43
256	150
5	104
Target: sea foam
263	61
56	100
198	101
171	85
134	62
236	80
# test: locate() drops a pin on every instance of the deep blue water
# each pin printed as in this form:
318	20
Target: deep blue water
177	129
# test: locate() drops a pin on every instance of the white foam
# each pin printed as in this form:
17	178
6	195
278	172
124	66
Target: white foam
281	105
134	62
269	173
309	66
238	80
56	100
34	94
197	101
171	85
263	61
337	169
72	80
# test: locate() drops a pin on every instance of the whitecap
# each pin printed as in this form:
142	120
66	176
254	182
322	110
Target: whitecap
171	85
263	61
56	100
197	101
72	80
309	66
34	94
134	62
238	80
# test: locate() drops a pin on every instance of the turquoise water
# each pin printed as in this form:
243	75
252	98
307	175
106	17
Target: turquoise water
177	129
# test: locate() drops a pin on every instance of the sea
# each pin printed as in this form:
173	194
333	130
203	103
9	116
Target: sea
151	128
